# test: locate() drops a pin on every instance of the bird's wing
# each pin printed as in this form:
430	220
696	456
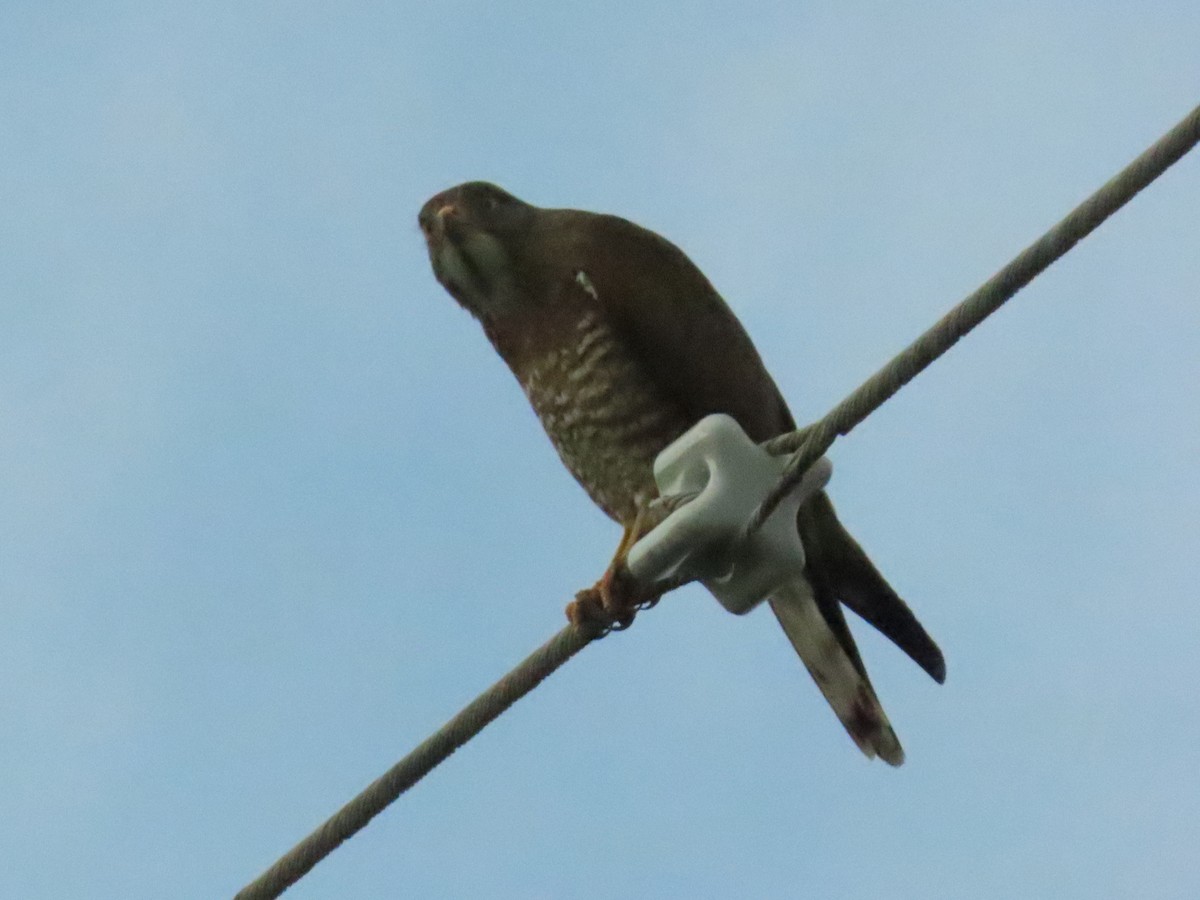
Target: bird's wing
835	554
693	345
686	337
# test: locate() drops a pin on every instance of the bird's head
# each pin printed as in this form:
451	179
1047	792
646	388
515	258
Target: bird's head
474	233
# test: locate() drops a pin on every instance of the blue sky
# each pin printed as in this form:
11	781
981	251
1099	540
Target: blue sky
273	510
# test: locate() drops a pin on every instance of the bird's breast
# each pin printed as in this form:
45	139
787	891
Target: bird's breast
606	416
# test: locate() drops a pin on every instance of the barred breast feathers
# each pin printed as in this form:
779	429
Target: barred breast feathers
603	413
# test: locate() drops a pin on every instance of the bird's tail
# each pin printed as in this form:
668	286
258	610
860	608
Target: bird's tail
841	571
840	677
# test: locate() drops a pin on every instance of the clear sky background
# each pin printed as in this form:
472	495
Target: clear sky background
271	509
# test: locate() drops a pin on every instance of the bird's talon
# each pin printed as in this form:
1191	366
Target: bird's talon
587	610
649	603
621	623
609	605
618	592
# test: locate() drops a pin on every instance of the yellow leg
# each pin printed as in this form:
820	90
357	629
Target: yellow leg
612	599
631	534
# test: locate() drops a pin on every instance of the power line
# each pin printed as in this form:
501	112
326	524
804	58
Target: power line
807	445
294	864
810	443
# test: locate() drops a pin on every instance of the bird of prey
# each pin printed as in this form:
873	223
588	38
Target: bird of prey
621	344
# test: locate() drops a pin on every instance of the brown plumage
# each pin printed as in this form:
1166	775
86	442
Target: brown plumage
621	344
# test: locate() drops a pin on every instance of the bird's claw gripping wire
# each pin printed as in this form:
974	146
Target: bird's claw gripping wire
725	475
711	479
612	603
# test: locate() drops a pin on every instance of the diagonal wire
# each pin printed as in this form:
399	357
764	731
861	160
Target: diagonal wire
814	440
808	444
374	798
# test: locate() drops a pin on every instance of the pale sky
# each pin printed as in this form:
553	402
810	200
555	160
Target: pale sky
271	509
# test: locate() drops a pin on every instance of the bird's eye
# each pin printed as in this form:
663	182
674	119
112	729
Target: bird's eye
492	202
